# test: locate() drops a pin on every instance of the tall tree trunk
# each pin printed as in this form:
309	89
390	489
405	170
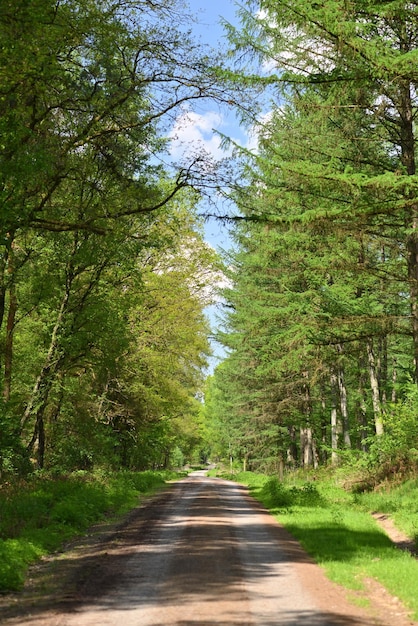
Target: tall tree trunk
307	442
40	453
11	318
383	369
344	408
315	454
374	384
3	264
413	289
335	422
4	278
8	346
342	390
39	397
362	410
407	136
324	426
38	437
280	468
306	447
394	379
292	451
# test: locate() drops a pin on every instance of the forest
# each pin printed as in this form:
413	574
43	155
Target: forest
321	320
105	275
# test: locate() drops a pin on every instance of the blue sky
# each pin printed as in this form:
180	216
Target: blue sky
197	127
209	13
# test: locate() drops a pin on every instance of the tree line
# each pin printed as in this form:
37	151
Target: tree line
104	273
321	321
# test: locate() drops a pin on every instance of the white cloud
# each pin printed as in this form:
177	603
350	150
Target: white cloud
196	258
195	132
303	54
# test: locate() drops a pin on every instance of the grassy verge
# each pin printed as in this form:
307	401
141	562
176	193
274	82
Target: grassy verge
336	528
40	515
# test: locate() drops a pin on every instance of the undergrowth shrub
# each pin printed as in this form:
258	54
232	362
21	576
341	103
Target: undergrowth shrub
15	556
393	455
306	495
276	494
14	459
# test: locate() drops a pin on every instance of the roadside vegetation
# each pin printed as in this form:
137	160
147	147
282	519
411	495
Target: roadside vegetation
41	513
335	526
105	274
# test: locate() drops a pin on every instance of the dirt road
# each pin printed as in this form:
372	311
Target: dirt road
202	553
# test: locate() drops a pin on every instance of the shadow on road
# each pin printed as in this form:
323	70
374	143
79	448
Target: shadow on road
193	545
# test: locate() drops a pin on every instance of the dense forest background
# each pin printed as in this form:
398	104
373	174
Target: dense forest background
321	320
104	272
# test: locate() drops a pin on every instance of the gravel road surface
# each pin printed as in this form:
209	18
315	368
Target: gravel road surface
202	553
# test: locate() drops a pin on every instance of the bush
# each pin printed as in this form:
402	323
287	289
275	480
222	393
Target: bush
14	459
276	493
15	556
306	495
391	456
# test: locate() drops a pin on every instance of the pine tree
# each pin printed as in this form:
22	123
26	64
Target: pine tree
352	65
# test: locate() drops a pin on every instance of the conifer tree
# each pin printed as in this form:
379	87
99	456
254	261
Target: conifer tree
352	67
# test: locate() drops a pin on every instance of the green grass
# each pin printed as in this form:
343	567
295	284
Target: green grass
39	515
400	502
336	528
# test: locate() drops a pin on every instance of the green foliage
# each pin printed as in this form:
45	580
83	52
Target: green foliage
116	369
15	557
13	456
107	63
399	444
40	515
177	458
393	455
321	320
104	274
276	494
